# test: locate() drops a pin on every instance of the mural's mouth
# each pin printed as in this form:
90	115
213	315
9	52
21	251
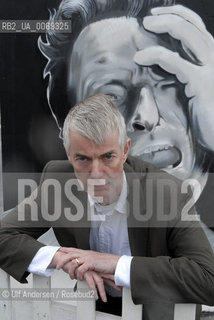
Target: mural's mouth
163	156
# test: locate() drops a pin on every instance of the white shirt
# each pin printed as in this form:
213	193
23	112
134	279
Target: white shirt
108	235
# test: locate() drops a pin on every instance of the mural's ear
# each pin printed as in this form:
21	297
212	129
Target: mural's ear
126	149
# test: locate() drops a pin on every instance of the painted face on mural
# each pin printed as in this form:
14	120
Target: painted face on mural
103	61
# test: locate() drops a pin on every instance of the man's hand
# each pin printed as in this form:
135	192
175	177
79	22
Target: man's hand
196	72
88	260
95	280
56	258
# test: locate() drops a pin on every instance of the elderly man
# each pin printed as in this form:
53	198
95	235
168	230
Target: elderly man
120	220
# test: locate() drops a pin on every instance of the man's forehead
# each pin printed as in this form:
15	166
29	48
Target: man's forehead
81	144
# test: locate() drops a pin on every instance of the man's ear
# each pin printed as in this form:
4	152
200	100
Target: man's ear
126	149
69	157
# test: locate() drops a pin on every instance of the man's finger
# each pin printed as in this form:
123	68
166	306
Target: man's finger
182	11
112	284
195	43
64	249
82	270
70	249
63	261
167	60
73	270
91	283
68	257
100	286
107	276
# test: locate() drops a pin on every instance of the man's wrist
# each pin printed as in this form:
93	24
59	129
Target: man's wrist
55	259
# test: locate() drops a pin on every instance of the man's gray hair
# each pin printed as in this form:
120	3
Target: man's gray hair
96	118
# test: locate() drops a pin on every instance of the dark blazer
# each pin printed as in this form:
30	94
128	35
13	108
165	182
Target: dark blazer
173	261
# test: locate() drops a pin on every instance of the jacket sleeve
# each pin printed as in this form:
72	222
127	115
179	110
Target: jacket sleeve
18	233
185	275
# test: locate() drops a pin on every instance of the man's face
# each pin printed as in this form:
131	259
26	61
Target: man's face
103	61
98	167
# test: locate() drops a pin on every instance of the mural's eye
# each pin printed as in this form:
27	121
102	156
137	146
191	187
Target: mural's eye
118	100
116	91
114	97
166	83
162	78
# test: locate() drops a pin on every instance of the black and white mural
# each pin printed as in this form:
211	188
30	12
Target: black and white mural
154	57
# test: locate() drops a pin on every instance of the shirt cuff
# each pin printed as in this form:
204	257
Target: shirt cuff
122	272
41	260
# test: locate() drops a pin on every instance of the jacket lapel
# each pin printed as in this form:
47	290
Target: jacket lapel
80	229
137	221
82	233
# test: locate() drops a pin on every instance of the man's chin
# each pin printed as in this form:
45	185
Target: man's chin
104	198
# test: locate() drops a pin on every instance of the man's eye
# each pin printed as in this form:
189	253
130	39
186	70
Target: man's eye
108	156
81	159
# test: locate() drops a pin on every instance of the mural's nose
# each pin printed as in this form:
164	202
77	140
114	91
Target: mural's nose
146	115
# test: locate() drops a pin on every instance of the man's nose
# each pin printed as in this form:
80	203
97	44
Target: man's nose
146	115
96	171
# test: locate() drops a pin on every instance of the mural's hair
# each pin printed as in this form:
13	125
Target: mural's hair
95	118
81	13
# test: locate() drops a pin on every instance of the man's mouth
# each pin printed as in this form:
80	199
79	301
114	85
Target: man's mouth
99	188
97	184
163	156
